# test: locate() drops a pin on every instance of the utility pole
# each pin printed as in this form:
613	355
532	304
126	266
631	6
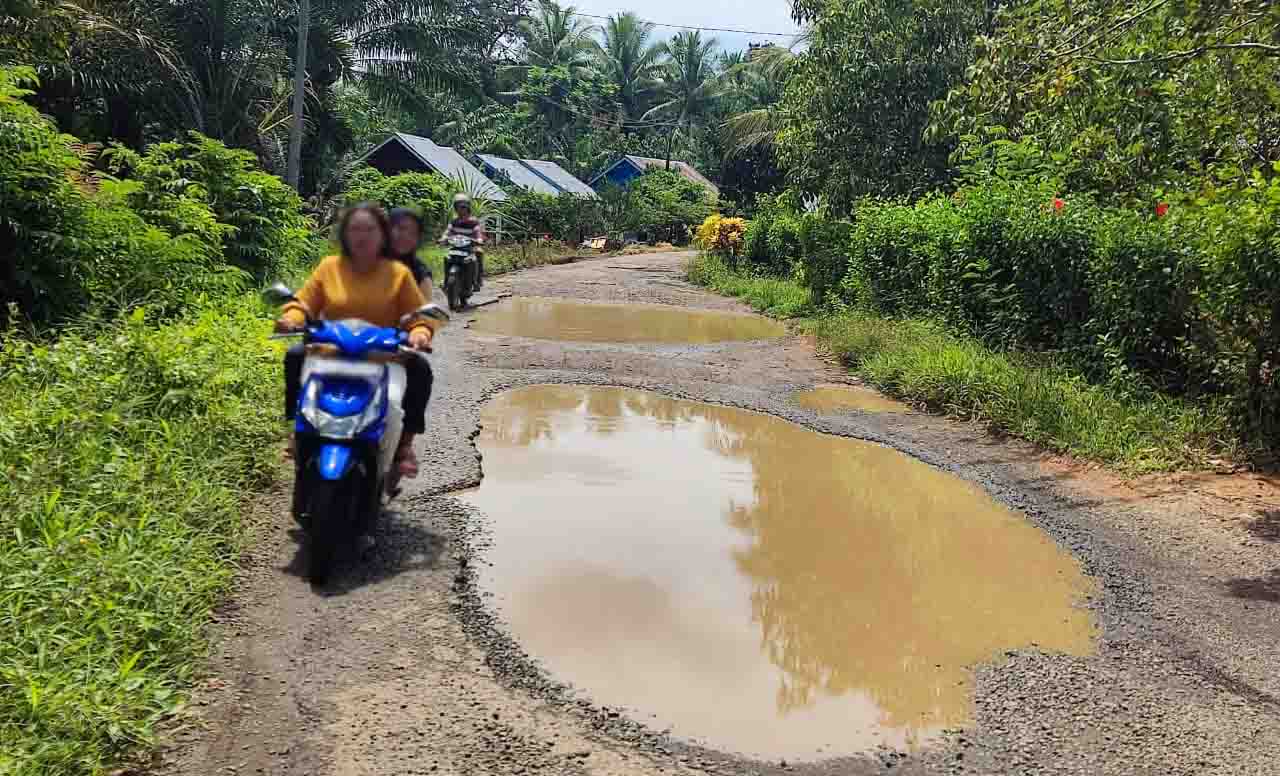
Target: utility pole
293	171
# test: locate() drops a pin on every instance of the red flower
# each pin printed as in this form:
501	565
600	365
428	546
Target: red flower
1059	203
1162	209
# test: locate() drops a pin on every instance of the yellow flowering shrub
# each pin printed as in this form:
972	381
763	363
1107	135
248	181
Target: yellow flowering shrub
721	235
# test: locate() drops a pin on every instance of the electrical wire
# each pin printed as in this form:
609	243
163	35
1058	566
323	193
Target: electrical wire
703	29
626	123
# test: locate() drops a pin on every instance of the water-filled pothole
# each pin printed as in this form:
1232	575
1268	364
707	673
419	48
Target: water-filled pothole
832	399
758	587
556	319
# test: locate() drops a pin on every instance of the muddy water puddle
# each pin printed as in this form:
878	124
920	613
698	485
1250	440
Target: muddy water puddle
555	319
836	399
755	586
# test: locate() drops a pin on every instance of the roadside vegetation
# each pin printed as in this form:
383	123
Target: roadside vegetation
1060	218
1020	394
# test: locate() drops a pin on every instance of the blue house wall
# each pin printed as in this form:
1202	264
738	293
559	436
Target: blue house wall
620	174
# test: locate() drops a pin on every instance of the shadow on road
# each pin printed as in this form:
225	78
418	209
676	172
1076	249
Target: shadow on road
1257	589
402	544
1266	526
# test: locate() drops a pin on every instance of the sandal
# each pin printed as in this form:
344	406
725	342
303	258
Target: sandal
406	461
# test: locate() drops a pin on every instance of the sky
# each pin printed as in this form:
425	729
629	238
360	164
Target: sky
759	15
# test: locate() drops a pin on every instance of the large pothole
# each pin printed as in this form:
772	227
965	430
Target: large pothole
757	587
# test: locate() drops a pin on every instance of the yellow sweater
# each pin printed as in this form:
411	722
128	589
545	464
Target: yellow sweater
381	296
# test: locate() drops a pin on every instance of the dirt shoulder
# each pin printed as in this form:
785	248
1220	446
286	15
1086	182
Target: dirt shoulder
401	668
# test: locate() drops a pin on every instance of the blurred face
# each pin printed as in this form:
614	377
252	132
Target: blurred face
404	237
462	210
364	236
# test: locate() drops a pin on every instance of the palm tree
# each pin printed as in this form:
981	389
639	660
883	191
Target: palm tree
557	36
760	81
631	61
223	67
691	84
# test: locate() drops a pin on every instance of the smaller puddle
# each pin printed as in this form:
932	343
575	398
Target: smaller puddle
554	319
834	399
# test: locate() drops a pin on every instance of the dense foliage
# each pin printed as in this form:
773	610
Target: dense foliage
426	193
858	102
179	222
1183	298
1126	96
126	454
510	77
567	218
127	442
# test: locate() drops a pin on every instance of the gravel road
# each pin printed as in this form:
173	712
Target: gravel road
400	667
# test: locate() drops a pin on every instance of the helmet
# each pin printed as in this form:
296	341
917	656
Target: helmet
462	198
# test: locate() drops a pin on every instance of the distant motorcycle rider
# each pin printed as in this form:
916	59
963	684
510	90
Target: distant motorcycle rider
467	225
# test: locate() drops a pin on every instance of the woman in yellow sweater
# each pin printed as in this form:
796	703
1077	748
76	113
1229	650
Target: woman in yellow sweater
361	284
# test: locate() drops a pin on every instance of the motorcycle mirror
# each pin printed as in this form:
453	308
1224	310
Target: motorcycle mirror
278	294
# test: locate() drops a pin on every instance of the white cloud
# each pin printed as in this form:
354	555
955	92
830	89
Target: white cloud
755	15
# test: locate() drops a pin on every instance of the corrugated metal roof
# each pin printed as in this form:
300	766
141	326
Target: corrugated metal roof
520	174
560	177
452	164
687	170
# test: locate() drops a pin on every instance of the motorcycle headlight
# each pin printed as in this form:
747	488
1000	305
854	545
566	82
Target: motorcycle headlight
337	426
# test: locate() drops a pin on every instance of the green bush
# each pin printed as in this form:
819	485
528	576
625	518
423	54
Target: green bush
772	240
567	218
179	224
824	259
1187	303
259	217
126	452
43	254
1026	395
755	241
428	193
922	362
1236	234
664	205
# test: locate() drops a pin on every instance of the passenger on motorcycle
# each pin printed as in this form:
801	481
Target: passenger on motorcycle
406	239
468	225
361	283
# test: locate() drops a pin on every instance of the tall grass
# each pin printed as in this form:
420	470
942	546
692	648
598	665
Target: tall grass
777	297
918	360
124	454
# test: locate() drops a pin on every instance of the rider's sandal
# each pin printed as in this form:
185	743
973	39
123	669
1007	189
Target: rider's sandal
406	465
407	461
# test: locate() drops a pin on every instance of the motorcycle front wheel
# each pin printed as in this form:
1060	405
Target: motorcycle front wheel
453	291
332	513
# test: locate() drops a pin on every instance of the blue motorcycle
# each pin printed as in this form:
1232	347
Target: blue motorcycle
348	426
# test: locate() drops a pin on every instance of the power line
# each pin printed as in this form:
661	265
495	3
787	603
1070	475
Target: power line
703	29
625	123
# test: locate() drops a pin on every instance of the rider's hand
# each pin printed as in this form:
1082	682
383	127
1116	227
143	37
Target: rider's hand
420	339
285	325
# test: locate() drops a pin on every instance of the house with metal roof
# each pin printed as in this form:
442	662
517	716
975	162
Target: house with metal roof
534	175
628	168
403	152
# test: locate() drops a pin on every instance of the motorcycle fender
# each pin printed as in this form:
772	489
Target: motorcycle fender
335	461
